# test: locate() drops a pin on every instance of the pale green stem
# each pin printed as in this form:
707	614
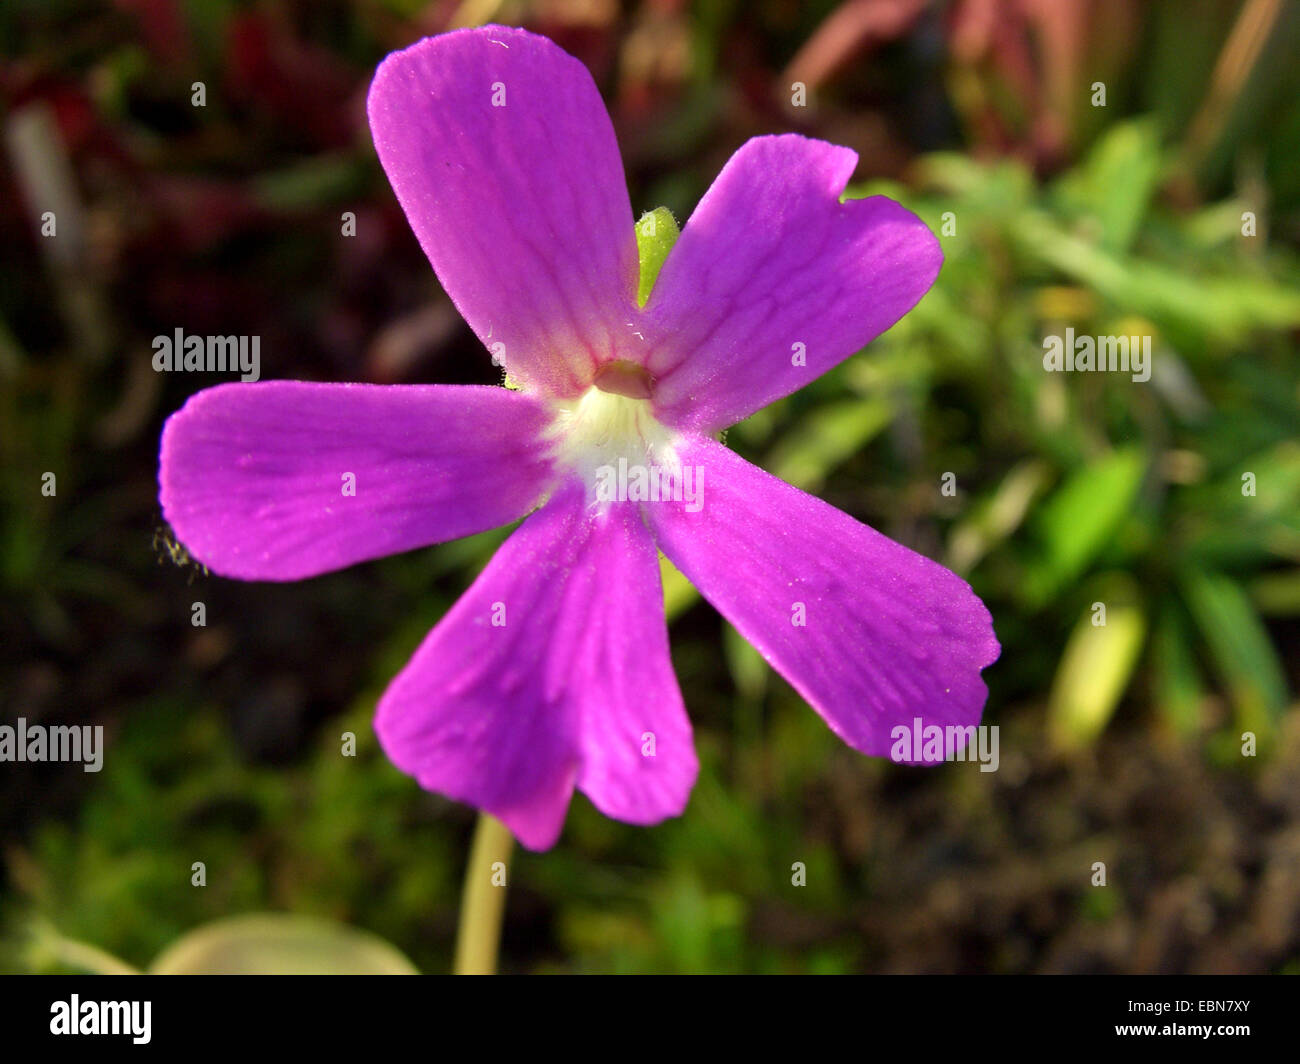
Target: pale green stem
483	900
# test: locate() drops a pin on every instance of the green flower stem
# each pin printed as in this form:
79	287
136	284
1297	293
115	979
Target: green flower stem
483	900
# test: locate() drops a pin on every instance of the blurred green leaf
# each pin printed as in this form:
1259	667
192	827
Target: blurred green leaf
1277	594
1116	182
1177	686
1076	521
995	518
825	438
1225	309
1240	648
1250	513
321	180
1094	673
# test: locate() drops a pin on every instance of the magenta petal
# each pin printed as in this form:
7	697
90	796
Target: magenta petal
772	270
888	636
571	686
254	477
522	208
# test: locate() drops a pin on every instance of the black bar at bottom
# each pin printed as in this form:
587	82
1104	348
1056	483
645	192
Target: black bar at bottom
433	1014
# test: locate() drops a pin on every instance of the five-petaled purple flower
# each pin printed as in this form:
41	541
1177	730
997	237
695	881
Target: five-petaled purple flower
552	671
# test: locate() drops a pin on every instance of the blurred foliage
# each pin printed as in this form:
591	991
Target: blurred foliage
1174	503
1185	486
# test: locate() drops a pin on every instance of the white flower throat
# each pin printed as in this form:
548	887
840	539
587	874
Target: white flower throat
610	438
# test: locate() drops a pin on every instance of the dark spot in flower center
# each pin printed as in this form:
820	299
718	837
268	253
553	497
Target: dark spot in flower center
625	378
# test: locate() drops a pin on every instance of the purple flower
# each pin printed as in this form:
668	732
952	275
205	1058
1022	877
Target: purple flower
552	671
